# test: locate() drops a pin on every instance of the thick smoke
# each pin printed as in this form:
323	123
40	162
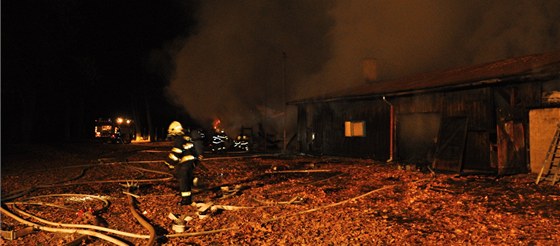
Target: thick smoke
246	59
234	68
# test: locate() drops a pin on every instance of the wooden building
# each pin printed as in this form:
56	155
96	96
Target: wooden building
470	118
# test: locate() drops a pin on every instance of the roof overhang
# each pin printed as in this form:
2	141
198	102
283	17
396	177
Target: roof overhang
516	70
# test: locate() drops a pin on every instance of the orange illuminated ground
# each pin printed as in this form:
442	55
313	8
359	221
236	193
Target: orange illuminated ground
272	200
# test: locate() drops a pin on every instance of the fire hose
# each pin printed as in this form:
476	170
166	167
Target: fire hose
342	202
34	226
142	221
84	226
72	227
22	192
63	230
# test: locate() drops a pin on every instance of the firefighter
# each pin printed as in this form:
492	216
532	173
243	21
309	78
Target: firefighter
182	158
242	143
219	141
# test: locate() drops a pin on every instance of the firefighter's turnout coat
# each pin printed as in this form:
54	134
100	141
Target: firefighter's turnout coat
182	158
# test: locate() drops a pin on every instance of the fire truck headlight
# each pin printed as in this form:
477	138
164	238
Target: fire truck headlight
119	120
127	121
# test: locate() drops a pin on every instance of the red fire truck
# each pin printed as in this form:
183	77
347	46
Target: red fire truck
115	130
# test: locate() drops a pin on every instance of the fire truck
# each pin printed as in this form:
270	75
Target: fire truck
115	130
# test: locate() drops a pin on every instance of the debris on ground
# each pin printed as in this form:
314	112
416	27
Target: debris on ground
272	200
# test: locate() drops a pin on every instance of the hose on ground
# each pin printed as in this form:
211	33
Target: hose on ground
342	202
63	230
142	221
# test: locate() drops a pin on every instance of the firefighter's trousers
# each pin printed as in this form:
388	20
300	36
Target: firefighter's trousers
184	173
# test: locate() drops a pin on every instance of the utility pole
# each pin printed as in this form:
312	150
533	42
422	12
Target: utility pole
284	146
264	117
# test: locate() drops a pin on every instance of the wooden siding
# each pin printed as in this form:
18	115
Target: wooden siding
477	152
497	130
512	104
476	105
473	104
328	122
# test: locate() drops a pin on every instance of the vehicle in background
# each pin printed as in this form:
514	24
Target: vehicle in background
117	130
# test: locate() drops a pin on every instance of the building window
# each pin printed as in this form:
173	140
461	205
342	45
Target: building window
354	128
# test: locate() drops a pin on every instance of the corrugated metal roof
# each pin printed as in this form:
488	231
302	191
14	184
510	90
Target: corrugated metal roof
520	68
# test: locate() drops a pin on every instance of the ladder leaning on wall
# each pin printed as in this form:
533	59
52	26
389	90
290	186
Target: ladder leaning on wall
552	160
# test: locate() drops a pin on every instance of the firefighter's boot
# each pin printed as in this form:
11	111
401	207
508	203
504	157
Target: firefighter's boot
186	198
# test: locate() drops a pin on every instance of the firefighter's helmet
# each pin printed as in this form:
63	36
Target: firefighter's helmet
175	128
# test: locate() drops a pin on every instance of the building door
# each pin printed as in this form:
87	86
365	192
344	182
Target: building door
510	130
511	147
450	146
416	134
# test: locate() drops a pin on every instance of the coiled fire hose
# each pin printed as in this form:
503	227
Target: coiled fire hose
63	230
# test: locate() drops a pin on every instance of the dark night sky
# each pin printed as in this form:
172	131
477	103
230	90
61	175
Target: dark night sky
73	61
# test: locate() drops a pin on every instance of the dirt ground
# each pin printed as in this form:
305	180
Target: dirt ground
92	194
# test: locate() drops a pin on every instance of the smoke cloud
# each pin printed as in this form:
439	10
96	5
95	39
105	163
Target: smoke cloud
248	57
